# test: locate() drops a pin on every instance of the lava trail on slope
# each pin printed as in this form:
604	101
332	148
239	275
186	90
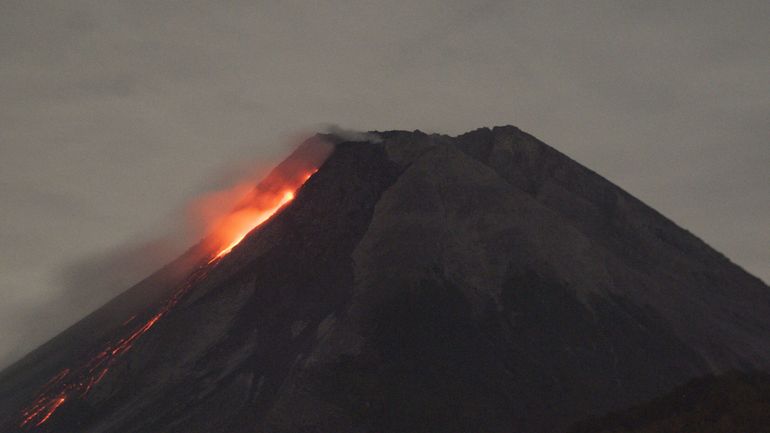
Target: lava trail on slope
227	231
74	383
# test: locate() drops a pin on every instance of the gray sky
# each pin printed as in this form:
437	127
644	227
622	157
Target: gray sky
114	114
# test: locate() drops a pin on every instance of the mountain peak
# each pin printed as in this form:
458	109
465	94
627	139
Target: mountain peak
422	282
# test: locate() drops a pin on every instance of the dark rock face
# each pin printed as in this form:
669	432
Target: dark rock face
425	283
725	403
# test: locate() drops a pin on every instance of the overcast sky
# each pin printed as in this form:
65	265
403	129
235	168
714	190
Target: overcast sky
114	114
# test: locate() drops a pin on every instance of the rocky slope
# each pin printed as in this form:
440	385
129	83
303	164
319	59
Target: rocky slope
726	403
426	283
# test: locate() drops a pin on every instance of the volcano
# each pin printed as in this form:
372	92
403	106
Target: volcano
413	283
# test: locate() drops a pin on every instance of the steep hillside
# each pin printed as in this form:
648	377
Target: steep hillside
424	283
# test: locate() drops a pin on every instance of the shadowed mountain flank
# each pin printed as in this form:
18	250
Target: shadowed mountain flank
725	403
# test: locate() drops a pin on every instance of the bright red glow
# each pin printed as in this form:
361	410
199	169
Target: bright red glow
249	208
231	230
226	227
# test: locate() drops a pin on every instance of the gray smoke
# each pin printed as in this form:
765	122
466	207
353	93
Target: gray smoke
349	134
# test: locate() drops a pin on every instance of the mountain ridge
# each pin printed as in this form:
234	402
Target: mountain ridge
484	282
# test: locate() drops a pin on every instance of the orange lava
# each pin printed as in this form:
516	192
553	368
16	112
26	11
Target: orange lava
239	223
224	233
44	410
76	383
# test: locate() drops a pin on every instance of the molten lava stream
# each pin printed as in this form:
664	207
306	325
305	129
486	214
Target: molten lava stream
228	232
76	383
240	223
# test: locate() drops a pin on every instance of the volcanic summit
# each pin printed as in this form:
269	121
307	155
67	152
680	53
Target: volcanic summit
408	282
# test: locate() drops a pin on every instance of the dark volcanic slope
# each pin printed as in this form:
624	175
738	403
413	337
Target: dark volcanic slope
424	283
727	403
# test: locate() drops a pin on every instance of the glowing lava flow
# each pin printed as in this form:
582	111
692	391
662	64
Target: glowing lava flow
228	232
252	220
76	383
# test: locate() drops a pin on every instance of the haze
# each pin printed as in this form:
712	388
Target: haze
116	114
